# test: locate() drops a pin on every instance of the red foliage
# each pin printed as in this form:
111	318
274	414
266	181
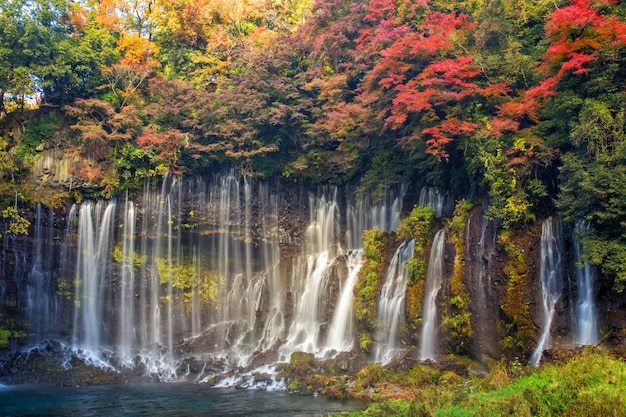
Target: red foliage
493	91
443	134
380	10
450	72
457	127
437	142
544	89
577	31
499	126
575	63
168	145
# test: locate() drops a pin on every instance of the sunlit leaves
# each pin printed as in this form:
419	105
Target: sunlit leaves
17	224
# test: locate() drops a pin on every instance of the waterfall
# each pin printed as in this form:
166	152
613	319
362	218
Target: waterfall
274	328
198	267
340	335
95	223
362	214
127	295
321	238
551	277
41	304
442	203
586	320
434	281
391	304
324	253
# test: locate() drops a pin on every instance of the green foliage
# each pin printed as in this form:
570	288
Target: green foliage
365	341
64	288
594	184
6	162
388	167
185	278
460	216
300	364
589	384
610	256
134	259
508	200
416	225
37	131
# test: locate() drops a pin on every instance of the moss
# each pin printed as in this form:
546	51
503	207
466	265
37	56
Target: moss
375	244
418	227
4	338
185	278
301	364
455	314
519	328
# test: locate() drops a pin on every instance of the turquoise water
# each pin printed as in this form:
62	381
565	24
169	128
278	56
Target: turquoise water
162	400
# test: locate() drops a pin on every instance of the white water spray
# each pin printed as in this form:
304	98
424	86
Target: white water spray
434	281
341	333
586	320
551	277
391	304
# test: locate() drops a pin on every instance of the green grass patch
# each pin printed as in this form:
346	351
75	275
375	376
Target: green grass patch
591	384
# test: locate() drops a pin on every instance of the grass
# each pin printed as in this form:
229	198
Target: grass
590	384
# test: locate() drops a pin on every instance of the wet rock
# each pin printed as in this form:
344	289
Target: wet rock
261	377
264	358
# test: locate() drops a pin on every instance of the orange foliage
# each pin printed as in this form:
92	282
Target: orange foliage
106	15
137	50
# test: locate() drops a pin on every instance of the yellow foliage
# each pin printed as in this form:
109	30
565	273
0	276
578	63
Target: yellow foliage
137	50
18	225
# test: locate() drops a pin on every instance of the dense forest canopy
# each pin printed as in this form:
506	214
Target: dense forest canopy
518	100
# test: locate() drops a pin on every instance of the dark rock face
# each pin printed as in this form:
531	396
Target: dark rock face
484	279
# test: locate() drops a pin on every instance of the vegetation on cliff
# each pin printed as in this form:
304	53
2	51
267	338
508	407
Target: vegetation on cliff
416	226
455	316
375	246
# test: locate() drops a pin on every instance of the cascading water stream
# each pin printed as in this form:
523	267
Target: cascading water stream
94	246
551	277
443	204
127	275
340	335
321	235
325	252
362	214
274	329
586	321
391	304
41	305
434	281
